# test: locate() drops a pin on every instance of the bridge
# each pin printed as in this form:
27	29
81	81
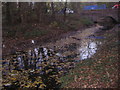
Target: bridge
96	14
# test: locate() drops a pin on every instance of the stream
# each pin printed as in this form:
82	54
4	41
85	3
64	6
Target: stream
63	54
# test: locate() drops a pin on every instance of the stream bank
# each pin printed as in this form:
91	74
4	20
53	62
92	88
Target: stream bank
99	71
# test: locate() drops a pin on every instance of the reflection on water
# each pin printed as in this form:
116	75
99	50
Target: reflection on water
82	50
59	57
88	50
33	58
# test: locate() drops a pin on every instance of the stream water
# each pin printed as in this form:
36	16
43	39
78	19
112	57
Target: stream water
64	54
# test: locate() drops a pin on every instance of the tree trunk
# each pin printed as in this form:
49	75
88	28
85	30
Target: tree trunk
23	10
65	11
76	7
11	12
53	11
40	10
8	16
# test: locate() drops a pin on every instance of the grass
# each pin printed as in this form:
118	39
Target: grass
35	33
67	80
75	72
86	21
75	22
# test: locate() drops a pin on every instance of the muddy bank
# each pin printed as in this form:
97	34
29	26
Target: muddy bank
80	44
21	44
67	42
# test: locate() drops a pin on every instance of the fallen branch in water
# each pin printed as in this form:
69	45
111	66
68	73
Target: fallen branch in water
76	38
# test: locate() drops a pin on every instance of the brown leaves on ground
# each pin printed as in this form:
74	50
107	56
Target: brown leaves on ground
101	70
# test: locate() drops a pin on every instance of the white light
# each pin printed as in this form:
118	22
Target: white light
58	54
33	41
32	70
3	46
45	51
36	51
88	50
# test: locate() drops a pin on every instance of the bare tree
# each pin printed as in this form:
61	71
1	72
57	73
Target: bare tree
53	11
40	10
65	10
11	12
23	11
76	7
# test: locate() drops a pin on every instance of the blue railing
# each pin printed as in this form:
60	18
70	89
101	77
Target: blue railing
94	7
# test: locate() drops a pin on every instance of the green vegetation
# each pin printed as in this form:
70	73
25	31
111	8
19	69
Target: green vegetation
86	21
35	33
75	22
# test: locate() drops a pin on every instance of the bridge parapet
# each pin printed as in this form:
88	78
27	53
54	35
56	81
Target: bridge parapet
95	14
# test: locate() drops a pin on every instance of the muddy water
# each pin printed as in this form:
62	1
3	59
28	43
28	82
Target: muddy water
77	47
62	54
80	45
